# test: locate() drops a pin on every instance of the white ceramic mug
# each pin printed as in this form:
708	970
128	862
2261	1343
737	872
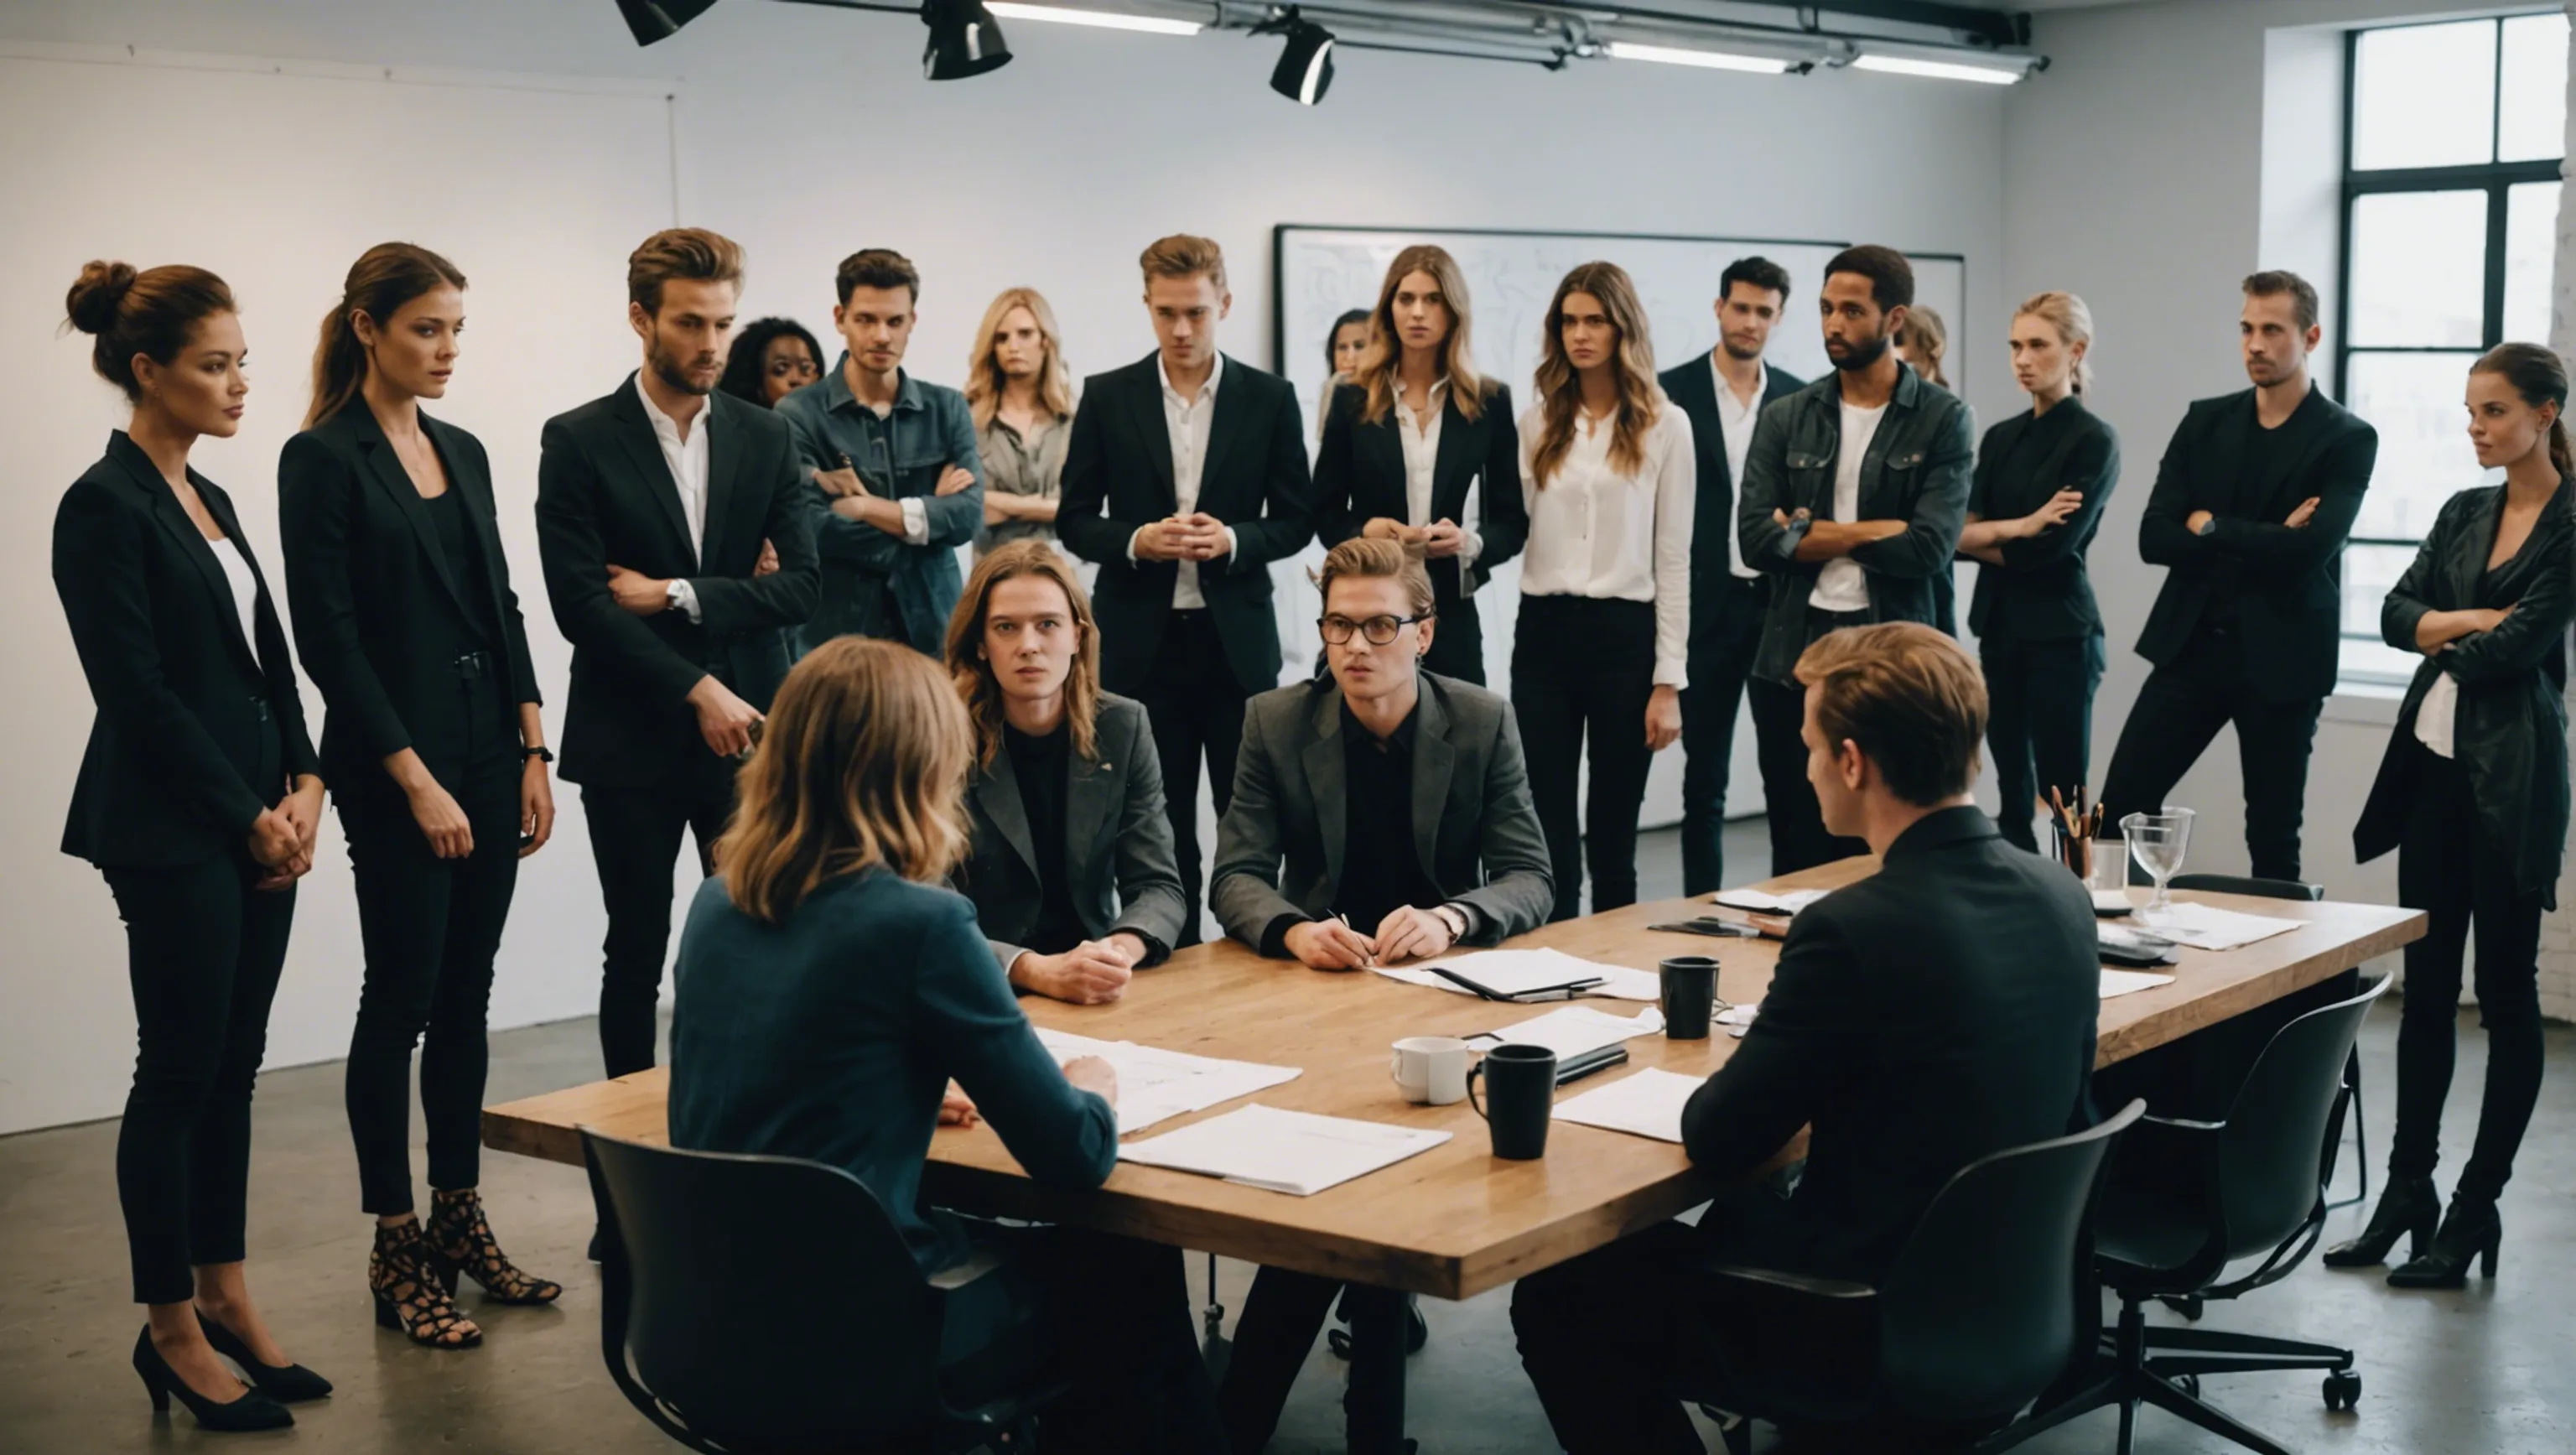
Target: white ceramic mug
1431	1069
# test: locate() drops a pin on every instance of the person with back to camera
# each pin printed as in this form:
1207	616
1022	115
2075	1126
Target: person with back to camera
199	798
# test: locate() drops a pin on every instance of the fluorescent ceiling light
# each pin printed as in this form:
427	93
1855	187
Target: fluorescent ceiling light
1711	60
1105	19
1938	70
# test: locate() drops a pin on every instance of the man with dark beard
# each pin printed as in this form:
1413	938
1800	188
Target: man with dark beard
1853	496
652	507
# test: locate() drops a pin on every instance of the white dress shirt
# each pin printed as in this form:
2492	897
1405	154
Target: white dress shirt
1843	585
234	557
1735	423
1596	532
1420	435
1188	419
686	455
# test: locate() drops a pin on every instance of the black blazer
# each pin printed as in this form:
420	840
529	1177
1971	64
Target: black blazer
2289	582
1693	386
605	495
2510	728
1938	1011
369	584
197	732
2041	592
1118	478
1359	476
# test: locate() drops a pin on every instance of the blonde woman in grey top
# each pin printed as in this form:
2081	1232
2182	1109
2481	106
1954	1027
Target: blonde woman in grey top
1021	396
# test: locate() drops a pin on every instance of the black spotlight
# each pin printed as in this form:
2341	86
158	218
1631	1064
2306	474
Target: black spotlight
1305	69
653	20
964	41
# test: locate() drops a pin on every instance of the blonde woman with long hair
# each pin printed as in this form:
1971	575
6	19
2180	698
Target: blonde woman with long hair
1608	483
829	990
1420	449
1071	872
1020	392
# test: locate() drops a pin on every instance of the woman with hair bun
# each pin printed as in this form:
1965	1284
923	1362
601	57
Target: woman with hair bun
406	620
198	798
2472	794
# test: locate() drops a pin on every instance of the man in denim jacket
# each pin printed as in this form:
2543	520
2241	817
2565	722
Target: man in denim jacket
897	484
1852	497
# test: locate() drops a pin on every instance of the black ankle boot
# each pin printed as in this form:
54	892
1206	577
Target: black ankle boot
2409	1205
461	1237
2471	1229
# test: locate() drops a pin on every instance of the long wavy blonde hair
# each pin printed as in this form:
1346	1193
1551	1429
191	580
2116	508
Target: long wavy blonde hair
1560	393
972	674
984	382
1385	350
861	764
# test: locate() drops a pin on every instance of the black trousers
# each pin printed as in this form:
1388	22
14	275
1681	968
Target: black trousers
1276	1331
1719	668
430	928
1195	705
1584	664
203	951
1458	642
1799	839
635	841
2039	722
1113	1314
2183	705
2460	879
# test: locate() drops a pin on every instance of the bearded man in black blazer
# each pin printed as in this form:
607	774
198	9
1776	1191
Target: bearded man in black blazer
653	505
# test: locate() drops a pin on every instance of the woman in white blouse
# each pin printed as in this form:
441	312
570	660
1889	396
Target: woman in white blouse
1604	628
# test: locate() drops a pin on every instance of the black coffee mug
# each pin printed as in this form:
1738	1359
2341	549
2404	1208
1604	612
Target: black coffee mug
1522	1082
1690	993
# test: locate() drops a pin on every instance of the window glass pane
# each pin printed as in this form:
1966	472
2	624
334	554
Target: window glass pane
2530	251
2419	264
2424	95
2415	402
2532	125
2368	572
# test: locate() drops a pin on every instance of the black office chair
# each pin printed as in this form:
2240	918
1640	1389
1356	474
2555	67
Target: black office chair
1977	1317
2193	1197
762	1305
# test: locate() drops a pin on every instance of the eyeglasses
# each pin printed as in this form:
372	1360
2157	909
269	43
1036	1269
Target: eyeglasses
1379	630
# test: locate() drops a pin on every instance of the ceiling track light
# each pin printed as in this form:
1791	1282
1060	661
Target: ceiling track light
1624	50
652	20
1943	70
1305	69
1105	19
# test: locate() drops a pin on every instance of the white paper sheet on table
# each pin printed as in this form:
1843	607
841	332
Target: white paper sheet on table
1294	1152
1758	901
2122	982
1575	1029
1155	1085
2207	927
1512	971
1648	1104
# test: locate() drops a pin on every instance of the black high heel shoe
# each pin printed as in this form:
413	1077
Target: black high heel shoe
253	1411
2471	1229
284	1383
460	1239
2409	1206
411	1291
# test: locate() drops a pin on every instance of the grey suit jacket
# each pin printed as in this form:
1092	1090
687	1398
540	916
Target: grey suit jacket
1475	827
1118	848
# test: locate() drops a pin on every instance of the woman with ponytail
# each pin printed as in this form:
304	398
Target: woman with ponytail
2472	794
198	798
407	623
2042	479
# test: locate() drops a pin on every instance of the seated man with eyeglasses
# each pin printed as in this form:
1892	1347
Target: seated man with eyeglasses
1380	814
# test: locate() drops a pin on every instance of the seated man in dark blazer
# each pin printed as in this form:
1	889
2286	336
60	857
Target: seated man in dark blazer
1400	808
1071	871
1929	1015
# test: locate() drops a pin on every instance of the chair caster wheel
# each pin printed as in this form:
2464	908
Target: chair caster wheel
2343	1389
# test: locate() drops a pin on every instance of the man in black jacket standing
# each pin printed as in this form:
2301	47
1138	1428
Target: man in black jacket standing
652	507
2252	504
1185	477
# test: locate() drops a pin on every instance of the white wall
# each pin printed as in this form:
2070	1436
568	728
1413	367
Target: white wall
806	134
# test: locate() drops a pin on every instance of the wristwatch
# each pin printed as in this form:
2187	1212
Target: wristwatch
541	754
2207	527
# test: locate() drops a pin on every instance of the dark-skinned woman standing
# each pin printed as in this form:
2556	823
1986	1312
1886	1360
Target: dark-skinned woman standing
408	625
198	797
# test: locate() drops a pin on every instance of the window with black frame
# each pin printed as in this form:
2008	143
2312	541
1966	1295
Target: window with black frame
2454	136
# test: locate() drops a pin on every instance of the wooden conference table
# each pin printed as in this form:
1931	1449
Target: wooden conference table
1454	1221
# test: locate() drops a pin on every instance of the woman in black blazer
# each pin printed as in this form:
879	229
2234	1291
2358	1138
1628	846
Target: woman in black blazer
198	798
2042	479
1415	434
406	619
2472	794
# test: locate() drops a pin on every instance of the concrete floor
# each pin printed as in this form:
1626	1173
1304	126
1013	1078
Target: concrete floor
2485	1371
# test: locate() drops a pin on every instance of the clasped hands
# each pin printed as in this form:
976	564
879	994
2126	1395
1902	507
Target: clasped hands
1443	537
1197	536
1405	934
281	838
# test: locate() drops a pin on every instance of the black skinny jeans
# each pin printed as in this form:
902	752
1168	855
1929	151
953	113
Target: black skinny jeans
635	844
1582	663
203	950
2447	869
2178	714
2039	723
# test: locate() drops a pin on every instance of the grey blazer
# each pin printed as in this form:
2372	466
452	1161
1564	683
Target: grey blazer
1118	846
1475	826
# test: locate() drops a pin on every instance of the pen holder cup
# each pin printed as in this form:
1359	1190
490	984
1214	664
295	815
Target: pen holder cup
2109	863
1519	1100
1690	995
